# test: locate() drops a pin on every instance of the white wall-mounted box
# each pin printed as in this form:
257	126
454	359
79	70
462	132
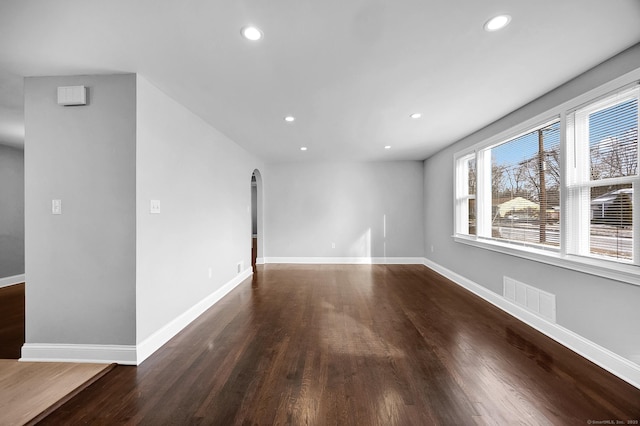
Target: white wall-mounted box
72	95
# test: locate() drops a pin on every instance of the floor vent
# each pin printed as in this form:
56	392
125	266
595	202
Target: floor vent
532	299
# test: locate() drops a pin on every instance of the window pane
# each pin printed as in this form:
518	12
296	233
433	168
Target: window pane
525	188
613	141
472	216
471	166
611	233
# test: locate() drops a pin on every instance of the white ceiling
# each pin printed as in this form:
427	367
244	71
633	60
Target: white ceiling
350	71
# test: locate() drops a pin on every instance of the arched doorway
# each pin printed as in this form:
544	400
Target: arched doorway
256	219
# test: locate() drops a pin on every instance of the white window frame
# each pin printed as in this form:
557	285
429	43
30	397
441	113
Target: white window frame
571	254
461	204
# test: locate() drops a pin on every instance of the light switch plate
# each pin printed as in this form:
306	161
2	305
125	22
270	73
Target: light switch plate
56	206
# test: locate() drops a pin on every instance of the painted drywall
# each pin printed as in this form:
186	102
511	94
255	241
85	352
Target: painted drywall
80	265
11	211
601	310
372	209
203	182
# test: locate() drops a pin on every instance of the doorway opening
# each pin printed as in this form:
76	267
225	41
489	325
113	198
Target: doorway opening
256	220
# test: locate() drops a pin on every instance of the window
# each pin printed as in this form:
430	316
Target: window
525	188
601	174
511	191
466	195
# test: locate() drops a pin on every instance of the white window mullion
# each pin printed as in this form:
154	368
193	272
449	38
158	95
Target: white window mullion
578	165
483	197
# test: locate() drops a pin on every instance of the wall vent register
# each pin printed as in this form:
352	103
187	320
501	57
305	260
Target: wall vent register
530	298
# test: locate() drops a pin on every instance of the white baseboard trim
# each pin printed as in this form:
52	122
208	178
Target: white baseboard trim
612	362
166	333
100	354
259	260
126	354
16	279
348	260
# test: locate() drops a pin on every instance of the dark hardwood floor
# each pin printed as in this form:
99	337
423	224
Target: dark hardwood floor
11	321
355	345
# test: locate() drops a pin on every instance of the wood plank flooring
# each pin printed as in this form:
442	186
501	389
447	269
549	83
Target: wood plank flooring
354	345
11	321
30	390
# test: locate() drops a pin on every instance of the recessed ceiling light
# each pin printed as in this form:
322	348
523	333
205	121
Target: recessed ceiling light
497	23
303	148
387	147
289	118
416	115
252	33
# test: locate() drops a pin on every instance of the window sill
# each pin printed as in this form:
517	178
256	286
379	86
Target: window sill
607	269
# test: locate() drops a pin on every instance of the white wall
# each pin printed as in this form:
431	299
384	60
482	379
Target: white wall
602	310
11	211
107	280
80	266
203	181
309	206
